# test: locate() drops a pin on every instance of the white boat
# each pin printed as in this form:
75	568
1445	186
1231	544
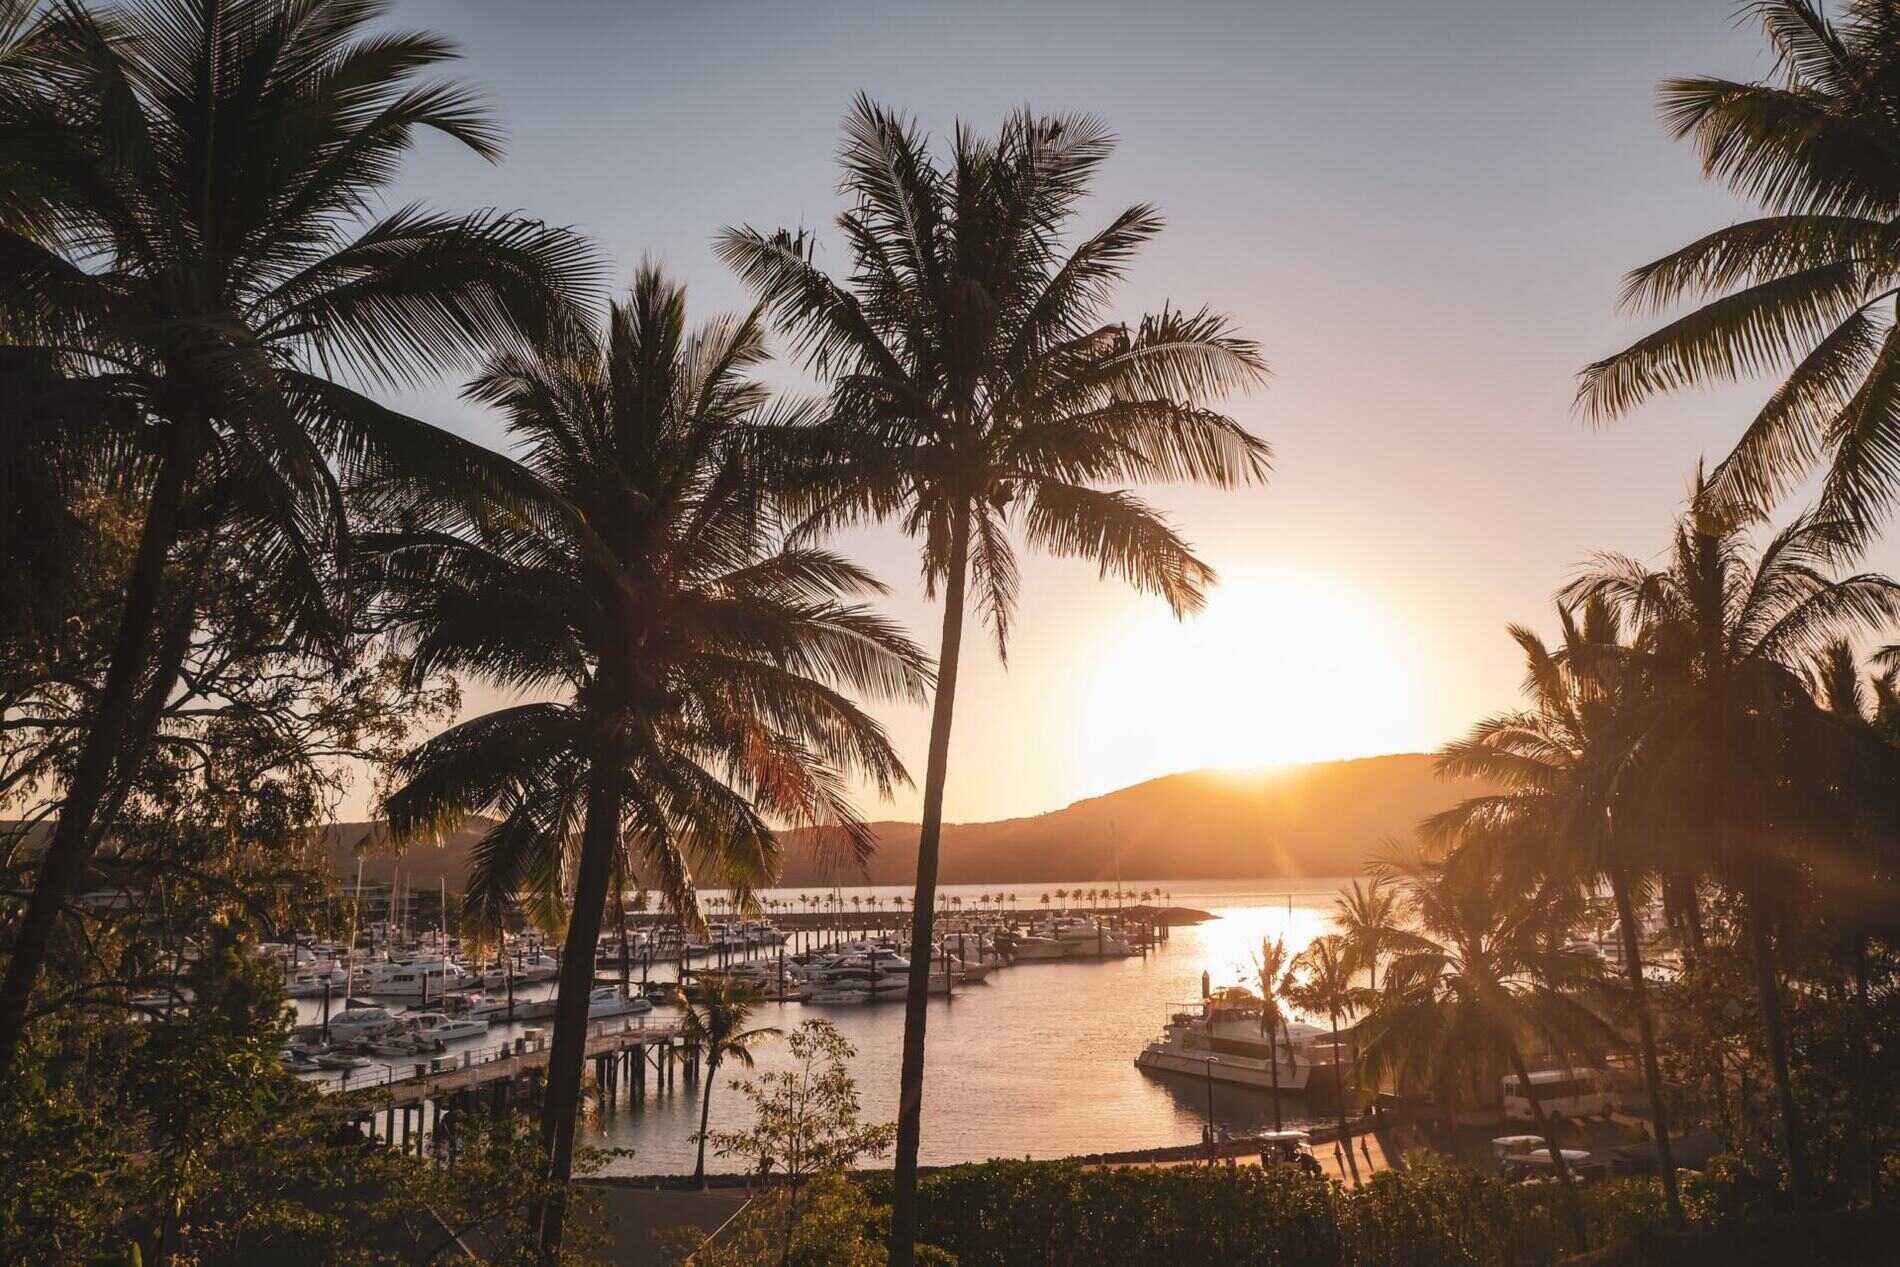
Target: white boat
1223	1041
298	1061
611	1000
422	981
341	1060
1030	949
1085	937
973	950
440	1028
361	1022
312	985
966	971
478	1005
537	968
406	1044
838	995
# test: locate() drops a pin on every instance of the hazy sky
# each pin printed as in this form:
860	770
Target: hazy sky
1420	210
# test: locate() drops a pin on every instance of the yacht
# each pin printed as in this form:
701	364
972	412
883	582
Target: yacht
611	1000
311	985
355	1023
1028	949
442	1028
1084	937
839	994
422	980
537	967
341	1060
1221	1039
405	1043
972	950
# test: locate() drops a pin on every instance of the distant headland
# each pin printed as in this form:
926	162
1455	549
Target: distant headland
1321	819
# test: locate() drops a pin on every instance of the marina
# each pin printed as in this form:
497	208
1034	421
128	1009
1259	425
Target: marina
1085	992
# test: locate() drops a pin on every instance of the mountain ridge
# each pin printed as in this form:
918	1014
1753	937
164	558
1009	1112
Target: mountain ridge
1294	822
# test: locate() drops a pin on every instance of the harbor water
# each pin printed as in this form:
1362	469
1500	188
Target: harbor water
1037	1061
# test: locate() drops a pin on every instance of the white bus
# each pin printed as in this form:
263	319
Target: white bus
1562	1092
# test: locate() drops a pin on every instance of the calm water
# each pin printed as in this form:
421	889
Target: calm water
1038	1061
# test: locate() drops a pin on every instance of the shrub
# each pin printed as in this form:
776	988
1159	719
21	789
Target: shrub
1433	1214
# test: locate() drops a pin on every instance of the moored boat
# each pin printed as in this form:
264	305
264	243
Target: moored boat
1224	1040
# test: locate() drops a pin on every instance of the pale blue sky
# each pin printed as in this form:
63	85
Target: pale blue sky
1420	210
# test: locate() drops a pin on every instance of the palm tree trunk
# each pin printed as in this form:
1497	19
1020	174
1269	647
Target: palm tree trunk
1768	987
1572	1207
76	836
1870	1152
705	1114
1273	1064
910	1104
561	1101
1646	1032
1339	1093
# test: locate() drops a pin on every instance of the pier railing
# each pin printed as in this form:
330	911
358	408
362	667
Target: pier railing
396	1072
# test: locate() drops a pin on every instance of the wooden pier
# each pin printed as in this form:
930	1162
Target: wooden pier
413	1100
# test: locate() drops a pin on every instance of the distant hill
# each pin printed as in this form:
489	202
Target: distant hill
1322	819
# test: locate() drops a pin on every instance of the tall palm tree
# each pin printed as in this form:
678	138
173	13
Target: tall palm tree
716	1024
697	660
202	260
1560	764
1805	291
1270	966
1737	758
1322	985
978	385
1368	918
1487	972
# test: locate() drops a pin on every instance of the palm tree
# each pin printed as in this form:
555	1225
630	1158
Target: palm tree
716	1024
699	661
201	261
1560	764
1368	920
976	384
1488	970
1321	985
1804	290
1270	966
1737	756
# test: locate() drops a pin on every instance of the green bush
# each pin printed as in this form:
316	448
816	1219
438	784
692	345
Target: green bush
1059	1214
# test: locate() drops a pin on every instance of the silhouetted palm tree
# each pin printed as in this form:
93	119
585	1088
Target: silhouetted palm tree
1270	965
1561	764
1804	291
1737	758
1320	984
1368	919
1488	971
978	386
698	659
200	255
715	1023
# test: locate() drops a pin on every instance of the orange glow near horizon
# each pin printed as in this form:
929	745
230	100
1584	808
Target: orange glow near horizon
1280	668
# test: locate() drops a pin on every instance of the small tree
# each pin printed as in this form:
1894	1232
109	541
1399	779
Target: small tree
716	1021
805	1120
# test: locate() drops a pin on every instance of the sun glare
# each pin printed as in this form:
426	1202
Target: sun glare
1280	668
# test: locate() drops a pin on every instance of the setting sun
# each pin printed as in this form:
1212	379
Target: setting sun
1280	667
